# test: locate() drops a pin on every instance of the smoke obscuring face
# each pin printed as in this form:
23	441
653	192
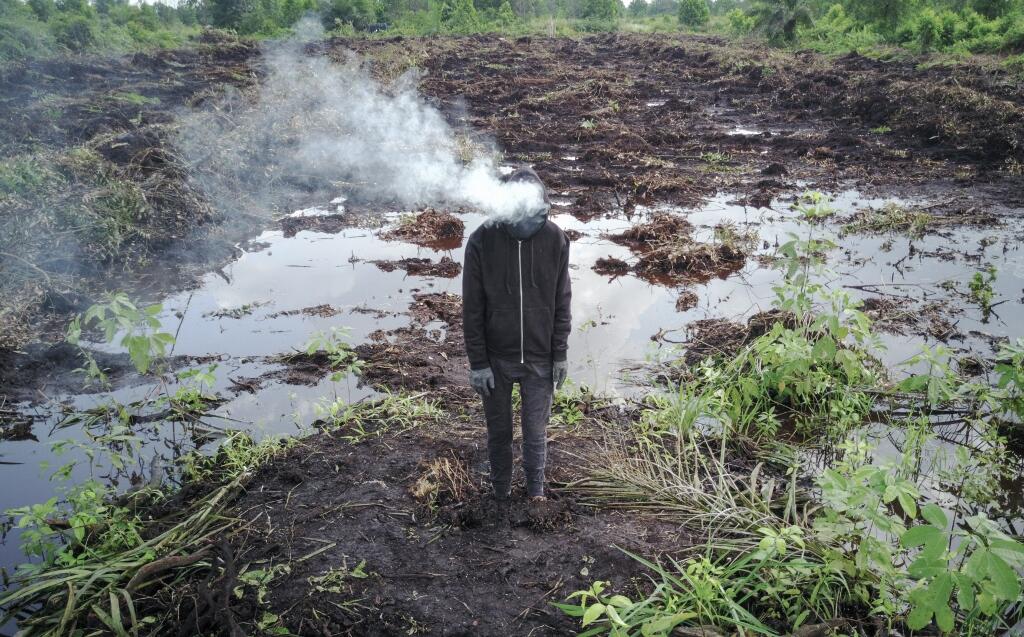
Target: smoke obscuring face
315	123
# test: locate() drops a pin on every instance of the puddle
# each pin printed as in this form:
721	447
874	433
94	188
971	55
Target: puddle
248	311
739	130
655	103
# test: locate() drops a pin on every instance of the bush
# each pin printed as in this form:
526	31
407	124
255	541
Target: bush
739	22
21	34
992	8
460	16
601	11
1013	33
694	13
44	9
73	32
358	13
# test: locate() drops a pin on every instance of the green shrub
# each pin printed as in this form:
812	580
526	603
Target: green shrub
601	11
73	32
44	9
1013	33
460	16
927	30
694	13
506	18
992	8
21	34
25	177
739	22
782	20
358	13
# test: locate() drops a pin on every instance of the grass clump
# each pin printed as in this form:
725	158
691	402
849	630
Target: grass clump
891	218
396	413
445	481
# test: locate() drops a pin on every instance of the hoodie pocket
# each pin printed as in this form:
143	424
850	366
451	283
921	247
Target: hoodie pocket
503	330
537	329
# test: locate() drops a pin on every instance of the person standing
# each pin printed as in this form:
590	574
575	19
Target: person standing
516	320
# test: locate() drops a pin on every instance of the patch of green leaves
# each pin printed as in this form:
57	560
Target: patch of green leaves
137	328
982	292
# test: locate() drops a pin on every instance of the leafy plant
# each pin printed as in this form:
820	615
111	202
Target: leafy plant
136	326
776	584
694	13
961	579
356	422
237	456
336	580
568	405
982	292
193	396
1009	394
778	20
340	355
715	161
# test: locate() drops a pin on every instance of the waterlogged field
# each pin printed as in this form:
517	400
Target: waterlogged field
795	399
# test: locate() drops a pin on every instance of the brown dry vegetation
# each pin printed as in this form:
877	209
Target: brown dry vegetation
89	183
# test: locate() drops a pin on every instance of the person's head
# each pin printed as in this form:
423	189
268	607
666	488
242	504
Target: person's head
528	222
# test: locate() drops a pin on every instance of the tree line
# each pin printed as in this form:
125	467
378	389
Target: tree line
39	27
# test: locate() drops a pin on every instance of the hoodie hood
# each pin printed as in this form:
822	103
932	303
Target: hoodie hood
527	226
528	222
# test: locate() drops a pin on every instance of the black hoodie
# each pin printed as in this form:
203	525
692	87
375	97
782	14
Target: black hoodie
516	295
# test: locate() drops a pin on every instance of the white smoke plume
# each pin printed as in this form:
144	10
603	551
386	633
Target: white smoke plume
314	123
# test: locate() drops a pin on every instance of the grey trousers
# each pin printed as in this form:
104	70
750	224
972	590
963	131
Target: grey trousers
536	388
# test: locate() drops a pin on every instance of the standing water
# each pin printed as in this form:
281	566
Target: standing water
259	306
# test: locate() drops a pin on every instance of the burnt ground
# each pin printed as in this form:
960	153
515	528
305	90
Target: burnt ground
647	119
643	115
667	119
460	568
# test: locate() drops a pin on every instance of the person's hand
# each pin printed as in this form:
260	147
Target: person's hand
482	381
559	372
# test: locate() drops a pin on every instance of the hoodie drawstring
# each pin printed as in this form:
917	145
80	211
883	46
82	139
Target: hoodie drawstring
508	267
533	281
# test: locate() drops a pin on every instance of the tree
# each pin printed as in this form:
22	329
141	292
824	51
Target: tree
992	8
888	14
358	13
227	13
694	13
603	10
73	31
663	7
637	8
778	19
506	16
460	16
42	8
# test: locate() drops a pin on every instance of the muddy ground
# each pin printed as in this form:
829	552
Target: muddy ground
641	114
458	567
610	122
